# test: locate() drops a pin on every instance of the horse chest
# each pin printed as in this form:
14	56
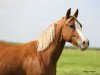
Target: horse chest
34	67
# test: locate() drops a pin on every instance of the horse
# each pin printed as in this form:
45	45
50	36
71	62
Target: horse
40	56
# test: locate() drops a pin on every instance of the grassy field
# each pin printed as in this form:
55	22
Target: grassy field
76	62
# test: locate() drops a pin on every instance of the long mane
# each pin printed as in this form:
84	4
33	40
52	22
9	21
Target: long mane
44	40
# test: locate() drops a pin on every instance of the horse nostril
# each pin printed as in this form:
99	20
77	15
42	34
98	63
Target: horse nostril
83	42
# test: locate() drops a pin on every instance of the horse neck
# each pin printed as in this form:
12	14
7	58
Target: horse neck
50	46
58	43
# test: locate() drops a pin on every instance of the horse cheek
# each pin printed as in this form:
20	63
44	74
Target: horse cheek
67	34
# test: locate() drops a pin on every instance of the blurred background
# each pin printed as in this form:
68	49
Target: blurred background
23	20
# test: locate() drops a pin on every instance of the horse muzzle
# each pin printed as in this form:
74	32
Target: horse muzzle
84	45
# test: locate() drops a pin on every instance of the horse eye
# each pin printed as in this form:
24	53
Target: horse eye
72	26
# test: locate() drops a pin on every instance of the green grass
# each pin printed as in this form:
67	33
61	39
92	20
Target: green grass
76	62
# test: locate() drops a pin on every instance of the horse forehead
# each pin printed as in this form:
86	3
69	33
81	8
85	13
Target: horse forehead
79	30
71	20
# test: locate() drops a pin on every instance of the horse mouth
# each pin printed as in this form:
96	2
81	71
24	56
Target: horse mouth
83	47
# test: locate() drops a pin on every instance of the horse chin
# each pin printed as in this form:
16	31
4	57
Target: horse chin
83	48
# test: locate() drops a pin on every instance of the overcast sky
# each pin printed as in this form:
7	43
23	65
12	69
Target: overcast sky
24	20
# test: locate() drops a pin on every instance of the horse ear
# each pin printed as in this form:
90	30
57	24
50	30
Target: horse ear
68	13
76	13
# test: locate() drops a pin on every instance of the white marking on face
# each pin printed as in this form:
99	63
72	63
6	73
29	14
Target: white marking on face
79	31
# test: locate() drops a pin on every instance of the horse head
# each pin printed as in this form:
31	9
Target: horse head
72	31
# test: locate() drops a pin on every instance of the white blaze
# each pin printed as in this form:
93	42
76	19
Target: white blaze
79	31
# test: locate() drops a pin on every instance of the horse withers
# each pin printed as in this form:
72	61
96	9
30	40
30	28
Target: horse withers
40	56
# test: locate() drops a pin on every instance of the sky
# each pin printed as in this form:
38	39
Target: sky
24	20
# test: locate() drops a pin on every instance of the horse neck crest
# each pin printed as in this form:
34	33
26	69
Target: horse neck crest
44	40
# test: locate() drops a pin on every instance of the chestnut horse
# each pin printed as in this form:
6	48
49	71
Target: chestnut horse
39	57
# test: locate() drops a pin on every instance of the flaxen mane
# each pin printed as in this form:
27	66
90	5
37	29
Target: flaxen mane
46	38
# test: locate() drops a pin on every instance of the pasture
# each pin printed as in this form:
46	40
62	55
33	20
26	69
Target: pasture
76	62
